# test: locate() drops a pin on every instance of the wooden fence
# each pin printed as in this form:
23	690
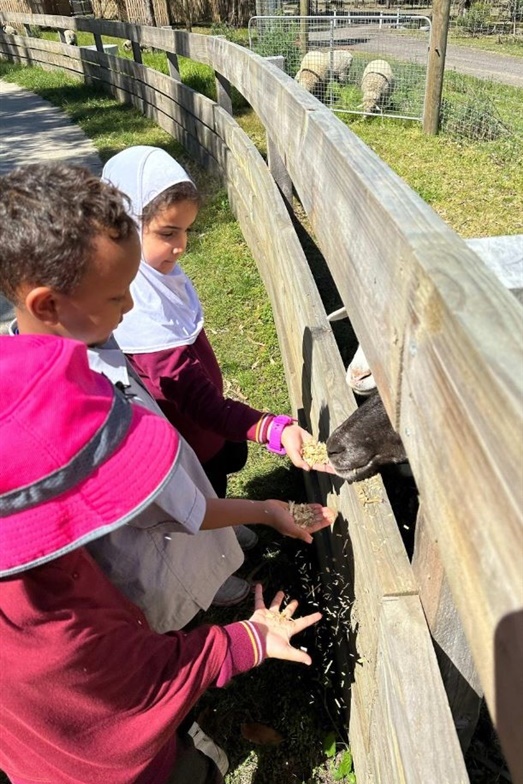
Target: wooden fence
444	344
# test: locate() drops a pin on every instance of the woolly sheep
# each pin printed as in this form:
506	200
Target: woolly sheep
377	84
128	45
9	29
315	69
70	37
341	63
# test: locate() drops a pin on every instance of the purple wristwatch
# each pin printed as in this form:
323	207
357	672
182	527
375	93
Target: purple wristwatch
275	430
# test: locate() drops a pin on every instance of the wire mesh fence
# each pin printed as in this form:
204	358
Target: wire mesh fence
489	14
480	111
357	63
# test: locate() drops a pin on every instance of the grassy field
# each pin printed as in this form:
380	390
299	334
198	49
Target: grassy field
500	44
477	187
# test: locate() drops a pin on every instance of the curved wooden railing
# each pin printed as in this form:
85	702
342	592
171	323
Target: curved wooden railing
444	342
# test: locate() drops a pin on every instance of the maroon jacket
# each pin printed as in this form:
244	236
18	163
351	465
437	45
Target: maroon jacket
187	383
89	693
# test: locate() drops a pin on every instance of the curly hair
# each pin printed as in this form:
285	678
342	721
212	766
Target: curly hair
50	215
182	191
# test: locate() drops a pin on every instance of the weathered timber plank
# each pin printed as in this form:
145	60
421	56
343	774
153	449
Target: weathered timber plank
374	554
48	55
411	703
460	677
197	137
391	250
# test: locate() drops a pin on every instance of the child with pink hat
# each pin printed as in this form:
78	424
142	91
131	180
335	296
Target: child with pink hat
90	693
68	254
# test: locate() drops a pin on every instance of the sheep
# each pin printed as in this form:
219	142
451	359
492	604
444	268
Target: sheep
9	29
341	63
70	37
316	67
364	442
128	45
359	375
377	84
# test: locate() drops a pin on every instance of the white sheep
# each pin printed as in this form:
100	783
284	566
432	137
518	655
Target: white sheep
317	66
341	63
128	45
9	29
70	37
377	84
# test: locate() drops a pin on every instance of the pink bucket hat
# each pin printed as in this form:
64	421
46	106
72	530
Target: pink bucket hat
77	459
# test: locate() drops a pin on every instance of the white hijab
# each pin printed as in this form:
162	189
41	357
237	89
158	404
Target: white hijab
167	312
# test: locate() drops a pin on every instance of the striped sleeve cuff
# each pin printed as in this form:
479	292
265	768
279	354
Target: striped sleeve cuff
246	649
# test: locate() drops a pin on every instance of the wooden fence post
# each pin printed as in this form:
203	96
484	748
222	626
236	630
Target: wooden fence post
436	65
223	89
276	165
174	68
304	26
137	52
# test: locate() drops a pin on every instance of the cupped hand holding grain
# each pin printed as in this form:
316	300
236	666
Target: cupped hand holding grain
278	626
295	440
278	516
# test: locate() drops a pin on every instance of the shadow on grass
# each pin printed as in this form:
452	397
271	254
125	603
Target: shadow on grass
300	703
289	698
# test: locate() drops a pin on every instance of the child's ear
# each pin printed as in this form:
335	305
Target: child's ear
41	303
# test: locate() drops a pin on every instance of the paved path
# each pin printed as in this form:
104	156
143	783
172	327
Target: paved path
31	131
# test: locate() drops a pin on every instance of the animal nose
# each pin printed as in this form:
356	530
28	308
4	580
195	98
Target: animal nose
334	447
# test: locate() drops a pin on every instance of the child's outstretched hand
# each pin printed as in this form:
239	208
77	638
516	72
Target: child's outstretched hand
278	517
293	438
279	626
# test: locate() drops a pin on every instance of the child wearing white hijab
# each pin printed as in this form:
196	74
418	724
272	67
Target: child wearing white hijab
164	335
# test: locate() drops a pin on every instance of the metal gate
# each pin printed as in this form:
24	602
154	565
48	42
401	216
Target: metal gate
373	63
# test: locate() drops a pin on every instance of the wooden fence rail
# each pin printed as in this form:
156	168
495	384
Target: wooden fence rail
444	342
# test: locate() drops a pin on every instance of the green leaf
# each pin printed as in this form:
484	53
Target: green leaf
344	767
329	745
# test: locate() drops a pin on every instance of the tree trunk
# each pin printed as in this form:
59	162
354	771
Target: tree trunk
148	13
233	12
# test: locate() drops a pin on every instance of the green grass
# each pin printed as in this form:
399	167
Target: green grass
476	186
503	43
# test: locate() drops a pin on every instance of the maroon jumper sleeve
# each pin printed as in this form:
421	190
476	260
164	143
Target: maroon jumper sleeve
187	383
89	692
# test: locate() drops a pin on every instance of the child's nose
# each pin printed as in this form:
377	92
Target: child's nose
180	244
128	303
